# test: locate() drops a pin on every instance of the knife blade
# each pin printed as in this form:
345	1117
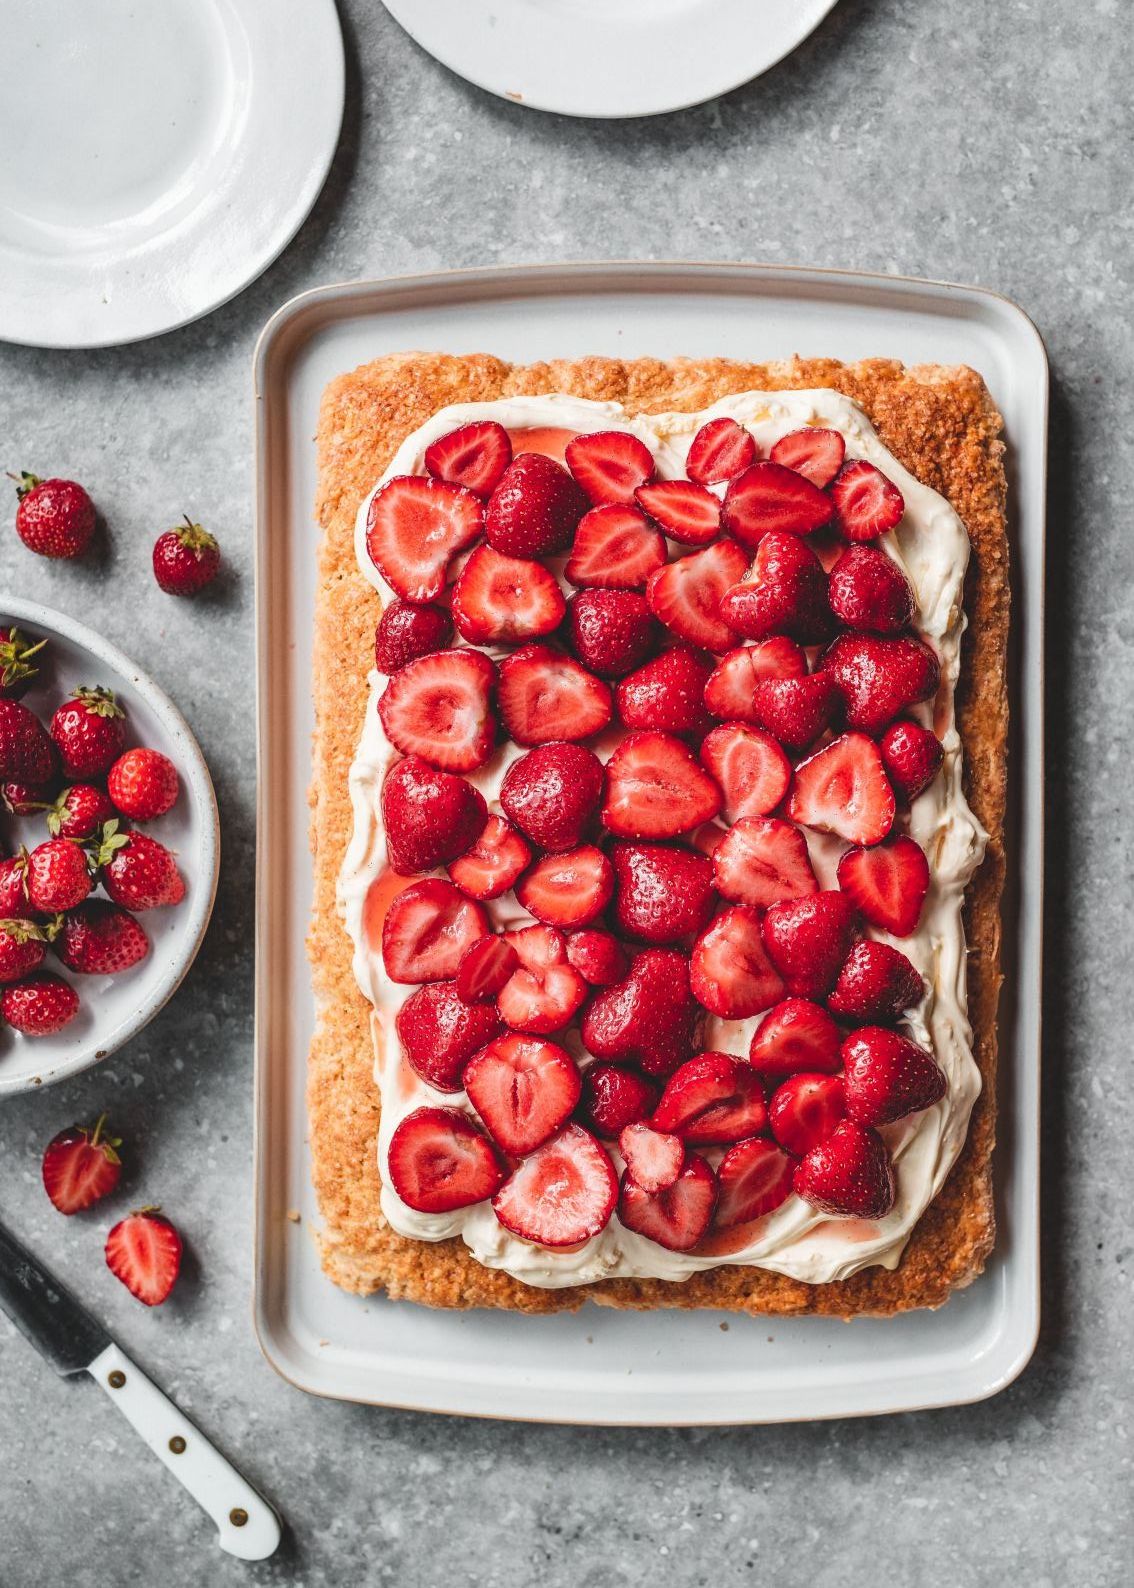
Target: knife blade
45	1312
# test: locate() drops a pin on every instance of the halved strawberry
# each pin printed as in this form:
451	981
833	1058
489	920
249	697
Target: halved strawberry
614	1097
523	1089
796	1035
912	756
719	450
783	592
610	631
879	677
869	592
749	766
406	632
677	1217
769	497
887	884
663	893
814	452
615	549
143	1250
597	955
439	1033
713	1098
866	503
649	1019
686	595
876	985
485	967
843	789
505	599
610	465
439	1161
545	991
569	889
492	864
654	1159
754	1177
439	707
552	794
544	695
561	1194
849	1175
667	692
687	512
804	1110
428	927
80	1166
887	1076
808	940
474	456
793	710
762	860
656	789
535	509
730	971
414	526
728	693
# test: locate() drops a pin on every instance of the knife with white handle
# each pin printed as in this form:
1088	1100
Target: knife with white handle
64	1332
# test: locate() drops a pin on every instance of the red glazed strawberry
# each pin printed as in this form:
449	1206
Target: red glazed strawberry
876	985
22	947
887	884
485	967
687	512
843	789
719	450
58	876
545	991
869	592
427	929
783	592
730	971
712	1098
505	599
667	692
887	1076
18	665
544	695
55	518
610	465
768	497
804	1110
912	756
27	754
101	939
814	452
878	678
430	817
761	861
614	1097
81	1166
728	693
677	1217
14	901
598	956
492	864
656	789
89	731
610	631
474	456
39	1006
752	771
143	1250
185	559
663	893
523	1089
849	1175
866	503
654	1159
754	1177
535	509
796	1035
439	1033
570	889
615	549
687	594
552	794
808	940
793	710
143	784
649	1019
440	1161
137	872
414	526
440	707
561	1194
406	632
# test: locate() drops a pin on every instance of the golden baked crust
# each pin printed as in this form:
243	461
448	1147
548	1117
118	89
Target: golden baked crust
943	426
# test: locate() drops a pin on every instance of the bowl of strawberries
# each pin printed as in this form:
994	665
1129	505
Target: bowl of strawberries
109	847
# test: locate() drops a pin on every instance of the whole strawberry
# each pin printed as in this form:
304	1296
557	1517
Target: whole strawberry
55	518
18	667
186	559
137	872
22	947
143	784
24	799
98	939
39	1006
27	754
58	876
80	1166
14	901
79	812
89	731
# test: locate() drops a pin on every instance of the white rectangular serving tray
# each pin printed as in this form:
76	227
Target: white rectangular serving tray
598	1366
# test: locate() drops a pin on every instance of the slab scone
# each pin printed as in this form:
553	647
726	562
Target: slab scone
801	1256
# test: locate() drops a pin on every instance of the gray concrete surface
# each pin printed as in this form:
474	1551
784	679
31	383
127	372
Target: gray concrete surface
984	143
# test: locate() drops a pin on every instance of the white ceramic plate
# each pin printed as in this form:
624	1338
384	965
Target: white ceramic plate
115	1008
609	58
156	157
598	1366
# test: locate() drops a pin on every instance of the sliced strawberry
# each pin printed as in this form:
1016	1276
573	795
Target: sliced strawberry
485	967
814	452
794	710
143	1250
610	465
887	884
912	756
610	631
649	1019
552	794
598	956
687	512
804	1110
614	1097
429	817
493	863
439	1161
569	889
843	789
686	595
769	497
808	940
762	860
849	1175
866	503
677	1217
615	549
728	693
796	1035
663	893
545	991
414	526
474	456
428	927
440	707
719	450
563	1193
730	971
406	632
654	1159
887	1076
535	509
876	986
749	766
869	592
713	1098
523	1089
545	695
783	592
667	692
80	1166
505	599
754	1177
656	789
439	1033
878	677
